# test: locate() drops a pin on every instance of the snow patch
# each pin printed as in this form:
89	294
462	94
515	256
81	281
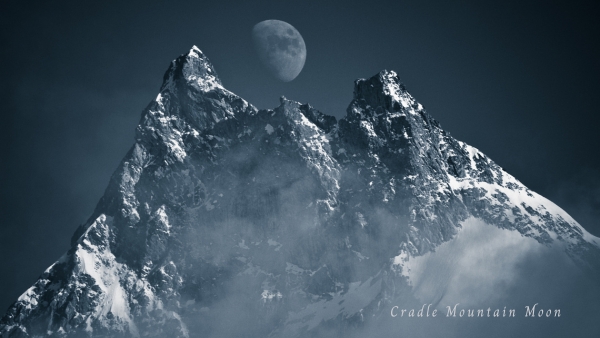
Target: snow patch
269	128
268	295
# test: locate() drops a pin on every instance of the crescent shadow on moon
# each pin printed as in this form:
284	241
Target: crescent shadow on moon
280	48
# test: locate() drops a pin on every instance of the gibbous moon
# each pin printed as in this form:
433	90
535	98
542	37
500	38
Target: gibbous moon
280	48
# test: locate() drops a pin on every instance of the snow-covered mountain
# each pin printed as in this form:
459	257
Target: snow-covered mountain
228	221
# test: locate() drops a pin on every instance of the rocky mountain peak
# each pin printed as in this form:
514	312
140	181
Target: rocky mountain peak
382	90
194	69
192	95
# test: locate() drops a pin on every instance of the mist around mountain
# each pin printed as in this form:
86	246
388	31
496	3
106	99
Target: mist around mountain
228	221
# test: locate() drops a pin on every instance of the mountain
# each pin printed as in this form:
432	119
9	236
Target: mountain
228	221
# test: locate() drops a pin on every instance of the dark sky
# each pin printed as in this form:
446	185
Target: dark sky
517	79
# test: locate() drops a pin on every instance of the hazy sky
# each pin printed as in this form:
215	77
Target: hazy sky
516	79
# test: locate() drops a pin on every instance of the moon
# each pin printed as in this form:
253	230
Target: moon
280	48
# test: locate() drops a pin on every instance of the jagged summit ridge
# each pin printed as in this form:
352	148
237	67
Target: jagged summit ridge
194	68
383	90
286	218
191	88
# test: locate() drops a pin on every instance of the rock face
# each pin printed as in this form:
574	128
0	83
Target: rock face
228	221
